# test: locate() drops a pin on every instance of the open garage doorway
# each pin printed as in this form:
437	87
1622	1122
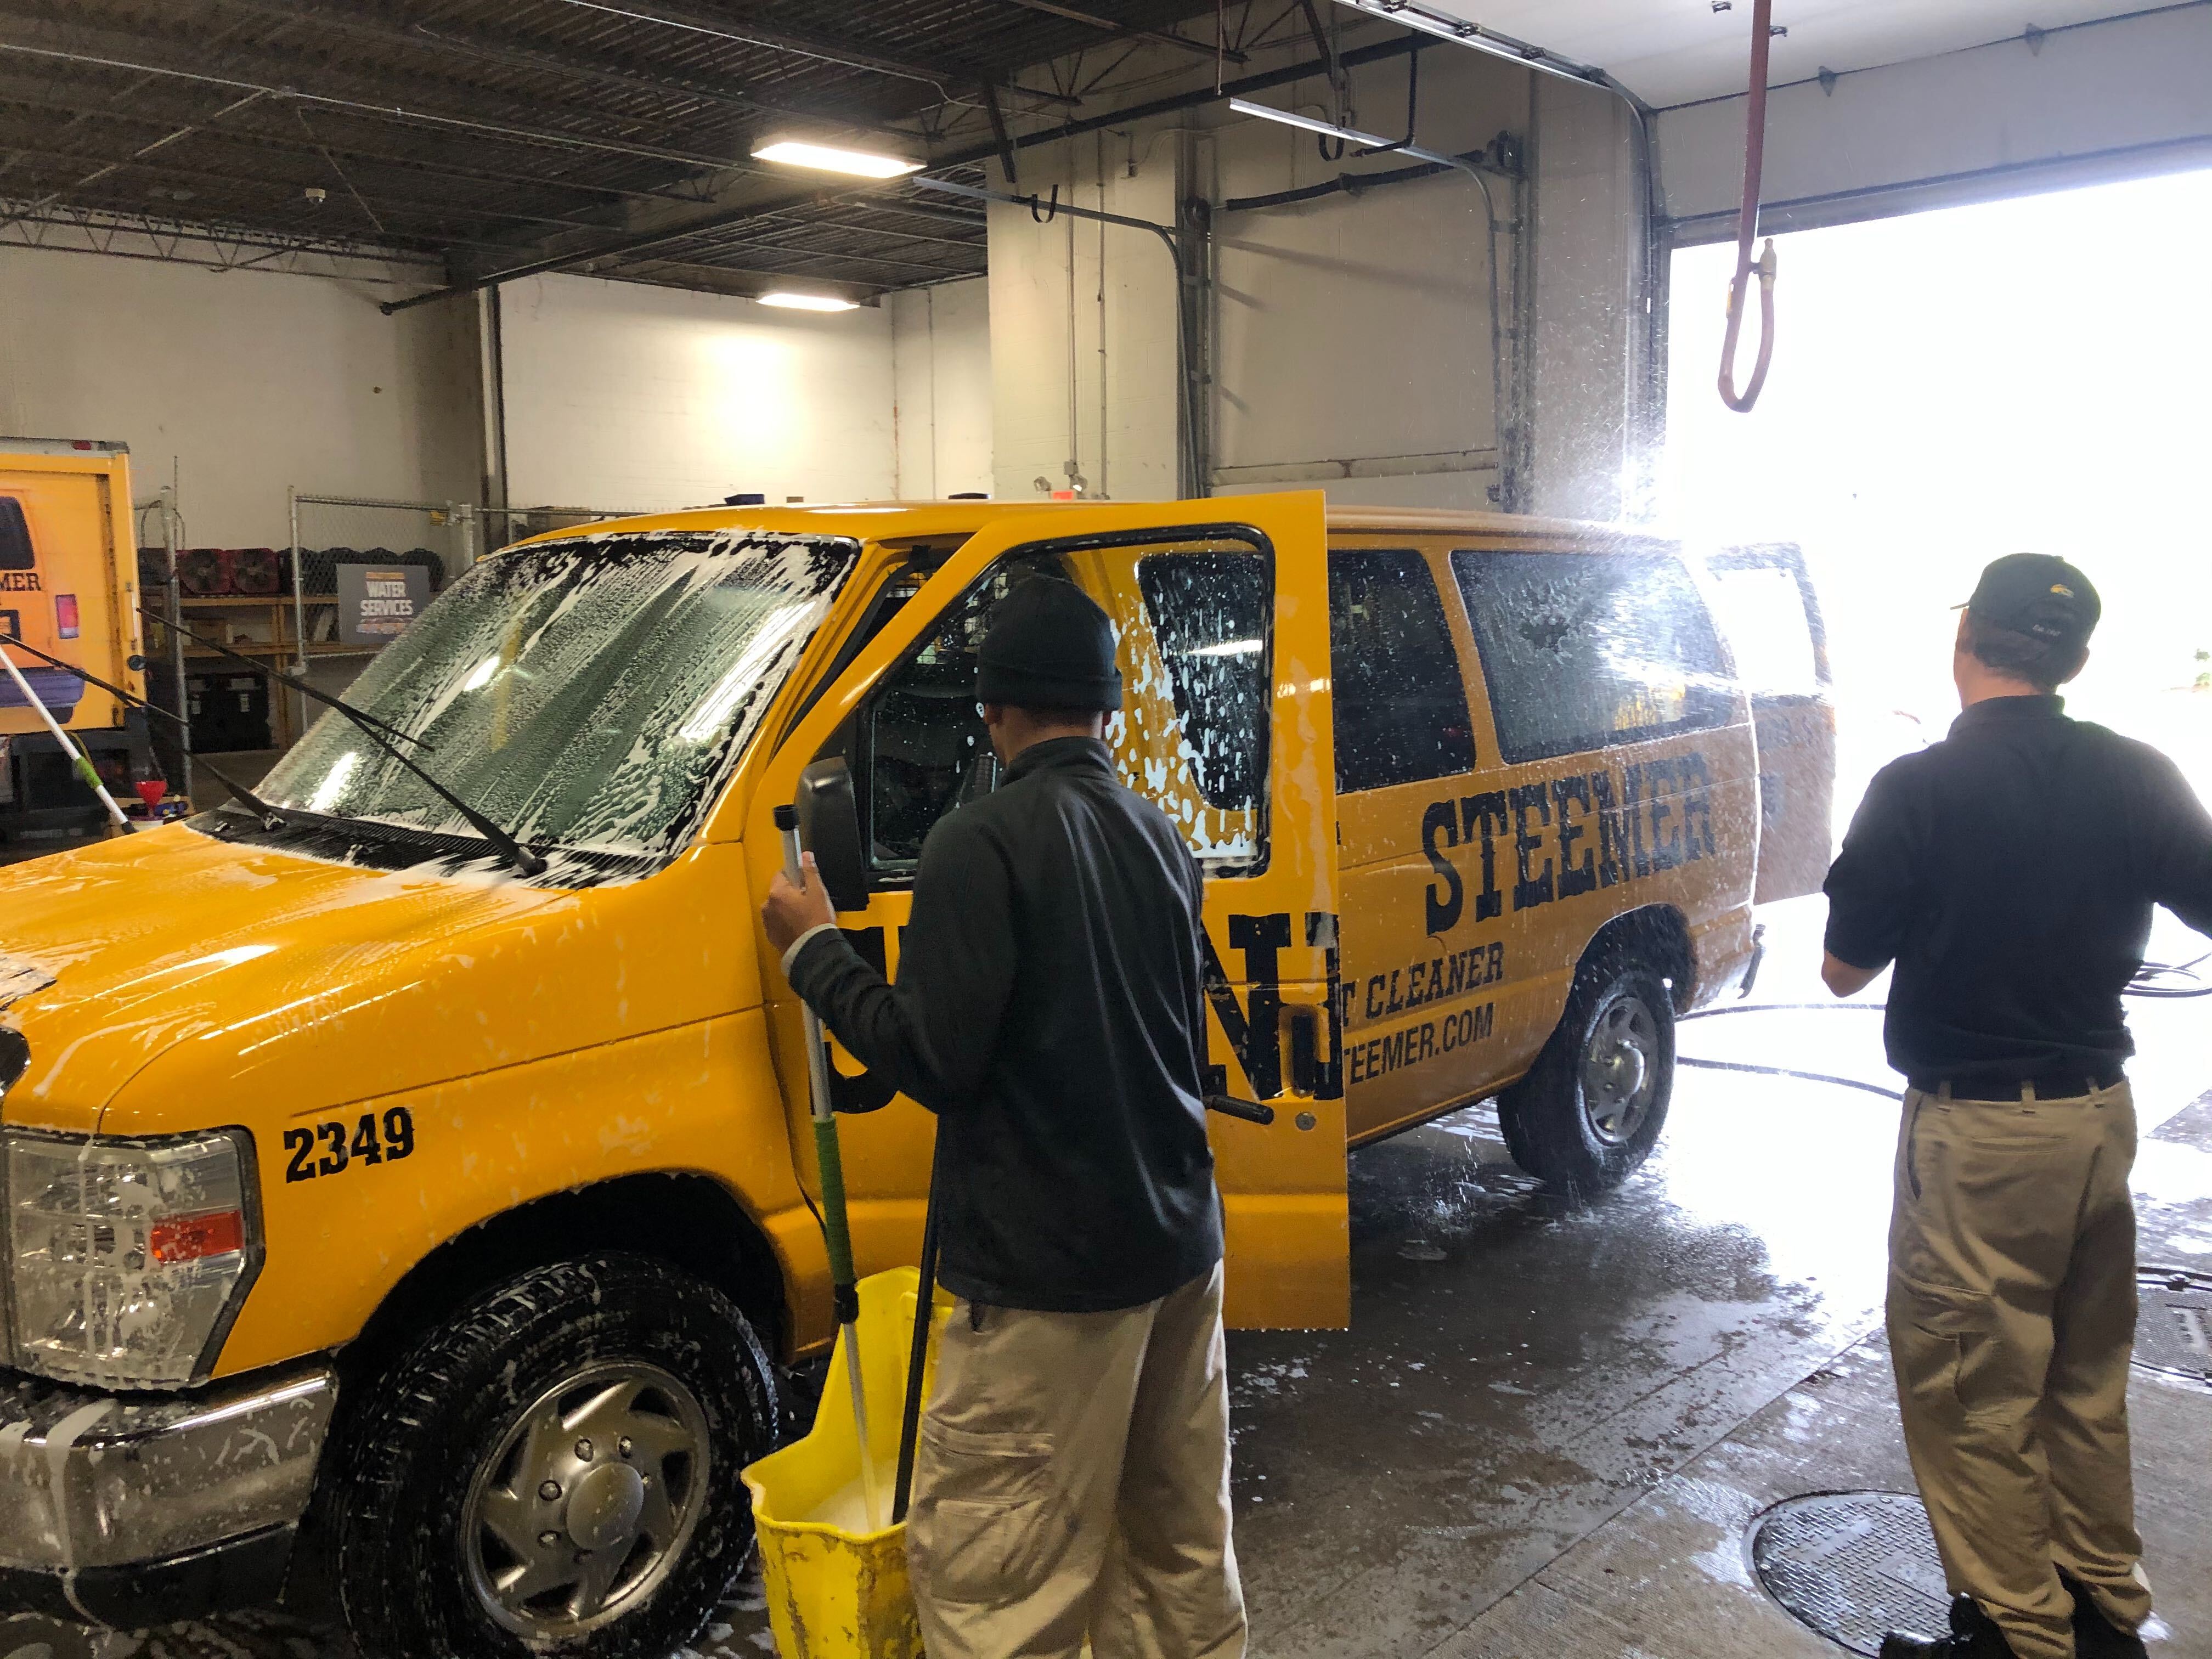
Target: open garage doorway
1951	386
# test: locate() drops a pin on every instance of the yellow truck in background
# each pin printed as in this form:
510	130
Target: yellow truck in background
423	1176
69	587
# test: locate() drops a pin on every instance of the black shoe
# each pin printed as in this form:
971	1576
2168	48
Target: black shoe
2096	1637
1973	1635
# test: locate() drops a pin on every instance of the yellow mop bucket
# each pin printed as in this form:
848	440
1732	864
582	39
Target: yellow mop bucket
835	1590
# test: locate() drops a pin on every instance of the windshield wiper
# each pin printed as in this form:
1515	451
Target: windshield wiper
245	797
360	717
513	850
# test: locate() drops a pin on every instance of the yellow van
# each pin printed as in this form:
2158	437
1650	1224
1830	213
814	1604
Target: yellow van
431	1188
69	589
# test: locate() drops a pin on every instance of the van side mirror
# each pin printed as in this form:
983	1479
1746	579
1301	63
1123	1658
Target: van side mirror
829	828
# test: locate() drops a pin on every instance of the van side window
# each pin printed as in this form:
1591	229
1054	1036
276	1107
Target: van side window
1209	613
927	749
1584	650
1401	706
1192	620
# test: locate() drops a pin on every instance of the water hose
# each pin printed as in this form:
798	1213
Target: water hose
80	761
1747	231
836	1234
918	1355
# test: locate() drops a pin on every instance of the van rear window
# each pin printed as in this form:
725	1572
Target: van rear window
1401	705
1585	650
15	552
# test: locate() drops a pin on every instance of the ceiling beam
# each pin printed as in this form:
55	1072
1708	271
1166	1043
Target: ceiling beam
544	137
946	76
710	241
868	228
1127	32
288	189
374	24
260	138
723	217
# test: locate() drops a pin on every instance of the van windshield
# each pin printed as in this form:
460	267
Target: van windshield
584	694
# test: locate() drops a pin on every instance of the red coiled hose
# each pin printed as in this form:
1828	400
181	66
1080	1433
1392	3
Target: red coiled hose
1746	230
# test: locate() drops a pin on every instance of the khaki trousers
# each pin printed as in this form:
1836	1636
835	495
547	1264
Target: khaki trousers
1072	1481
2012	1315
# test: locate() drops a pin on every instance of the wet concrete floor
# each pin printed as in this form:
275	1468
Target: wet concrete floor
1549	1425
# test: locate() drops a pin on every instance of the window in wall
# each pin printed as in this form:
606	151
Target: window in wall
1401	706
1582	650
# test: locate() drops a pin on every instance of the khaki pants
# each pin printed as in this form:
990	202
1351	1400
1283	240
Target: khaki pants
2012	1314
1072	1480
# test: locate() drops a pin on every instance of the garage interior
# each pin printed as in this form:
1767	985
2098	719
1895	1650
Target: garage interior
434	275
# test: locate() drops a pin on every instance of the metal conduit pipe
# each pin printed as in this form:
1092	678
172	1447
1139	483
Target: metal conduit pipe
1541	60
1380	52
1193	481
1502	428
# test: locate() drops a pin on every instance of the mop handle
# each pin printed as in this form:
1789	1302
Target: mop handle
839	1236
836	1234
78	759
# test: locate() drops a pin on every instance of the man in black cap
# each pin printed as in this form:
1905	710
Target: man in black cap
2009	872
1073	1476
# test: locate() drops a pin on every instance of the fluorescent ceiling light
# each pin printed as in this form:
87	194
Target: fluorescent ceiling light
1290	118
1229	648
808	301
829	158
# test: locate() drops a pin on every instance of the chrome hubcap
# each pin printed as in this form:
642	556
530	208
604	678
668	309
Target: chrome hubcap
1620	1069
588	1502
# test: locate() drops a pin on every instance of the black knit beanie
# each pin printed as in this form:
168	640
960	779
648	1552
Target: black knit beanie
1048	645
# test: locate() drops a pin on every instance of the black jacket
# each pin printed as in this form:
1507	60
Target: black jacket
1049	1010
2009	871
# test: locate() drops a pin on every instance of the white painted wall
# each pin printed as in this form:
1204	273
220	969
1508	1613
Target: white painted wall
1350	337
249	382
2127	96
1352	332
1089	304
941	369
1586	460
623	396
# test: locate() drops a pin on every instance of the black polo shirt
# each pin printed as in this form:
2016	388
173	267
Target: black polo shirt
2009	872
1050	1010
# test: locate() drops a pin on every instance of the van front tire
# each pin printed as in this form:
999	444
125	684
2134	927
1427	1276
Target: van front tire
1592	1106
555	1470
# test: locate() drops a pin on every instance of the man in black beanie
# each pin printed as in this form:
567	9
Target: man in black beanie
1072	1477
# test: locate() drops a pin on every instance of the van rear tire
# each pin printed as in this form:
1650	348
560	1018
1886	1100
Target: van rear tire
1591	1107
555	1470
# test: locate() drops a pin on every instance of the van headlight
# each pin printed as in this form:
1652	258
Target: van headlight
127	1259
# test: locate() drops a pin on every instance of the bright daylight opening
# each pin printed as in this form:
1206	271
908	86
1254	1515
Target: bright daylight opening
1953	385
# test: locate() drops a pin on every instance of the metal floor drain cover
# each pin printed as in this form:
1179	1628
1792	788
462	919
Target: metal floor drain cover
2174	1332
1853	1567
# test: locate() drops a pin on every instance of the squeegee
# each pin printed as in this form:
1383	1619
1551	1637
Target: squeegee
836	1232
80	761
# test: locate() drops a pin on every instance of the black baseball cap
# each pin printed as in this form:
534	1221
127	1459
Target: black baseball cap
1048	645
2037	594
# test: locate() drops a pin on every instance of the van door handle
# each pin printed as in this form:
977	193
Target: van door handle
1250	1110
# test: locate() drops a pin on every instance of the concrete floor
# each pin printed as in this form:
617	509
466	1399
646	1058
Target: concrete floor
1550	1424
